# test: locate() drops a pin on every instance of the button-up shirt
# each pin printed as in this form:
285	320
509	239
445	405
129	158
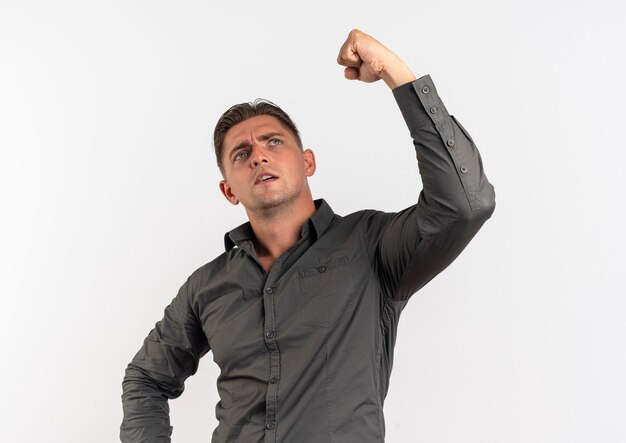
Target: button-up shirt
306	349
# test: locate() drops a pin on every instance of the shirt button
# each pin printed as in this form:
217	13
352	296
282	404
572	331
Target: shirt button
450	143
433	109
463	169
425	89
269	334
321	268
274	380
270	425
269	290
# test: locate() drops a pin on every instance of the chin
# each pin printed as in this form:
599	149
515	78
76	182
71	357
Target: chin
271	203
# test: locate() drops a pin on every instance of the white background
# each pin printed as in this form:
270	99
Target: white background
109	200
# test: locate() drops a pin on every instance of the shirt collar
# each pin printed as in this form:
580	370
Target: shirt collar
320	221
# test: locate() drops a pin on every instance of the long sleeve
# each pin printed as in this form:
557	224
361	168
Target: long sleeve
414	245
169	355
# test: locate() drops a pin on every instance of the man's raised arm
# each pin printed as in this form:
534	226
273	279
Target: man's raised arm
412	246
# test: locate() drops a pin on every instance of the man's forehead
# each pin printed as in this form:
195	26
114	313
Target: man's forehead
254	127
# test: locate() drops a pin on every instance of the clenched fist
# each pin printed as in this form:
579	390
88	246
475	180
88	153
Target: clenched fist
366	59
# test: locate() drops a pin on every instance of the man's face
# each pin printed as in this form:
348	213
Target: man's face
264	167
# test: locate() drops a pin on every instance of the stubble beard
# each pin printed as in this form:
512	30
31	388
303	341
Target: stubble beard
275	204
270	203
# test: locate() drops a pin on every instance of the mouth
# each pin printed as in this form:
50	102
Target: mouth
265	178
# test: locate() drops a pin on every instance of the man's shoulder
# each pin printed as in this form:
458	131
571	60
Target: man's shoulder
202	275
362	216
370	223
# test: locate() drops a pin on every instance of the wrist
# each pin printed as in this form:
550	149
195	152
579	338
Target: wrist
397	74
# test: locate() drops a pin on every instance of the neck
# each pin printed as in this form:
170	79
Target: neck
277	229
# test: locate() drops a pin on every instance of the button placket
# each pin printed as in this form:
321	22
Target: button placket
270	334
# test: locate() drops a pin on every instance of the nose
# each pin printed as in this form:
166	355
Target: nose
258	156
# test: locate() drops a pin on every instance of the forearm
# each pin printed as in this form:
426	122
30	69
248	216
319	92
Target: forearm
453	179
146	410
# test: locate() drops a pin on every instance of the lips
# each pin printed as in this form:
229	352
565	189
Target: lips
264	177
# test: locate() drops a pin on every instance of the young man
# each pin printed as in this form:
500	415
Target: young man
302	309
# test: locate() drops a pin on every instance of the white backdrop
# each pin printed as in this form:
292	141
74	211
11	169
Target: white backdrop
109	200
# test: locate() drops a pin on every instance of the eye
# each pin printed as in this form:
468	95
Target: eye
275	141
240	155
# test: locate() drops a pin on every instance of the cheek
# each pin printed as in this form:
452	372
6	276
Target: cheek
299	164
234	184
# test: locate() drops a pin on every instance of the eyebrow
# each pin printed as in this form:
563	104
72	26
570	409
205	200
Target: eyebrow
261	138
269	135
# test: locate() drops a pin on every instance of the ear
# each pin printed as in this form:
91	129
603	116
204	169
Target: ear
309	162
228	192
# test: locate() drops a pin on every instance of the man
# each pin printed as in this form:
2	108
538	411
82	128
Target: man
302	309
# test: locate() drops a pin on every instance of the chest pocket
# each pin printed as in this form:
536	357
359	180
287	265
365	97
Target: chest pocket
325	291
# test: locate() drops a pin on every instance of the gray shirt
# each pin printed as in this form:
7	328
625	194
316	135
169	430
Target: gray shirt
306	350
